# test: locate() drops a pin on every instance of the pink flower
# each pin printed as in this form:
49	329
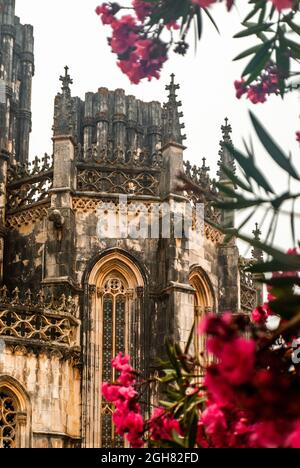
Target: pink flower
283	4
173	25
142	9
261	313
110	392
107	13
240	87
268	434
266	84
215	422
237	359
162	425
125	34
121	362
204	3
293	439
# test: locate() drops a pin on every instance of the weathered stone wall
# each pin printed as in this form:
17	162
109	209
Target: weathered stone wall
53	387
24	254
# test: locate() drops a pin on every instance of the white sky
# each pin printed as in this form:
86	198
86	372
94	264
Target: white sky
68	32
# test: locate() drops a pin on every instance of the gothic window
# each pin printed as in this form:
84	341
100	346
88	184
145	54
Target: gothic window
115	326
203	304
8	420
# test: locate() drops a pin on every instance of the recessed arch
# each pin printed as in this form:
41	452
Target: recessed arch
118	262
15	414
204	302
115	286
204	293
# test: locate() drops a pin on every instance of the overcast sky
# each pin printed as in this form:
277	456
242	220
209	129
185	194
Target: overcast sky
68	32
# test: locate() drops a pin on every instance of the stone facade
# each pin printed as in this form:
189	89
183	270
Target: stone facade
71	298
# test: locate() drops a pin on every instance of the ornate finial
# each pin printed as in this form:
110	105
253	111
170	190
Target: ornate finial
172	87
257	254
257	232
63	108
226	158
226	130
171	116
66	81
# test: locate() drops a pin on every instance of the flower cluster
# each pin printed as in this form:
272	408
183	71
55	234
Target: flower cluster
267	84
137	41
139	56
259	380
163	425
127	415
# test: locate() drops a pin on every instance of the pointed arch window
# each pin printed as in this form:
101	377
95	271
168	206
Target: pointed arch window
115	340
203	304
8	420
116	291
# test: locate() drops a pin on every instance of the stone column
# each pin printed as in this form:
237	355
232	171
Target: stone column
8	34
132	116
60	247
24	114
102	118
180	306
140	124
4	158
154	132
88	122
120	119
229	278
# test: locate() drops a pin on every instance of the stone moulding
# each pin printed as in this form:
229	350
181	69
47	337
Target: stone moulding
39	319
92	205
247	287
27	216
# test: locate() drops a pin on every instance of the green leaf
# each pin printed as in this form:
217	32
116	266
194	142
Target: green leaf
238	205
190	340
250	169
293	26
253	12
211	19
247	52
225	189
235	179
260	59
171	355
193	429
254	30
273	149
199	22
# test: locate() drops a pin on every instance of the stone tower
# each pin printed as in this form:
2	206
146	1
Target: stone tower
95	256
16	72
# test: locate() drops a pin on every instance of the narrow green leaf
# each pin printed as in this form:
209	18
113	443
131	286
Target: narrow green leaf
247	52
273	149
211	19
254	30
250	169
235	179
295	27
260	59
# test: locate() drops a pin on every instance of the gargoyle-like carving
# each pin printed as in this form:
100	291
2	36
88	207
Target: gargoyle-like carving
57	219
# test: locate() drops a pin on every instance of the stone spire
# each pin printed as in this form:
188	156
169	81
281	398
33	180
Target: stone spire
257	254
66	82
171	116
226	158
63	108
